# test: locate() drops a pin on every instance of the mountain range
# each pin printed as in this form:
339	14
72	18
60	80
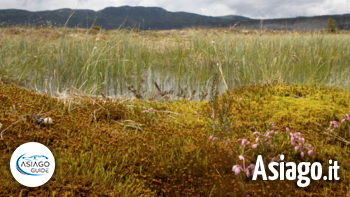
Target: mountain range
111	18
145	18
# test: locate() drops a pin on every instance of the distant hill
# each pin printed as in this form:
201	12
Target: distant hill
234	17
111	18
301	23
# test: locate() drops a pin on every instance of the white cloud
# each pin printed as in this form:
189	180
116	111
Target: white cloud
250	8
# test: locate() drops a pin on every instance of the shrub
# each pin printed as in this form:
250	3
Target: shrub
331	25
96	28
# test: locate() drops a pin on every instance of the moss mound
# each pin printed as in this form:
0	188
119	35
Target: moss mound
105	147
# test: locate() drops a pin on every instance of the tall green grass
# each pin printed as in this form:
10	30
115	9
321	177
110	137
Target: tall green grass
182	58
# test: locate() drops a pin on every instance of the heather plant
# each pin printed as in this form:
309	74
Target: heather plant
301	147
264	148
237	168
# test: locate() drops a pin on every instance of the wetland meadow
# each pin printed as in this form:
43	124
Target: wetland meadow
175	112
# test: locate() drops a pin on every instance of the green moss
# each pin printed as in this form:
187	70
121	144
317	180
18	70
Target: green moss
112	147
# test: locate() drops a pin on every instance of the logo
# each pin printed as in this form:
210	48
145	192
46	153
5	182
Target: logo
32	164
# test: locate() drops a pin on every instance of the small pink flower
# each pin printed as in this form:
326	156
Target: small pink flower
287	129
292	139
267	143
302	154
254	146
241	157
271	147
238	140
248	173
236	169
215	138
257	140
296	148
310	152
178	114
255	133
211	137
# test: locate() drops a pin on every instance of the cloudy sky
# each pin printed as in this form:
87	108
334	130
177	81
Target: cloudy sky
262	9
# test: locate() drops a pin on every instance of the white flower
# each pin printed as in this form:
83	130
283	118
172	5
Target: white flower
48	120
95	48
212	42
241	157
108	42
97	39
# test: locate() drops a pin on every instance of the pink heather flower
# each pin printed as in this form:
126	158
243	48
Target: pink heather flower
244	141
251	166
241	157
178	114
296	148
236	169
276	133
267	143
248	174
310	152
292	139
343	120
254	146
151	109
271	147
256	133
269	137
215	138
302	154
211	137
287	129
257	140
239	140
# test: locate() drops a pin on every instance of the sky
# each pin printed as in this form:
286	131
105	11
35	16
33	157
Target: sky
258	9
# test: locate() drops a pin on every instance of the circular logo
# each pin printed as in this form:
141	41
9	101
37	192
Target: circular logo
32	164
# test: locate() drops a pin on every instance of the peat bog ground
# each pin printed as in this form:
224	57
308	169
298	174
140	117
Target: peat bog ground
165	113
